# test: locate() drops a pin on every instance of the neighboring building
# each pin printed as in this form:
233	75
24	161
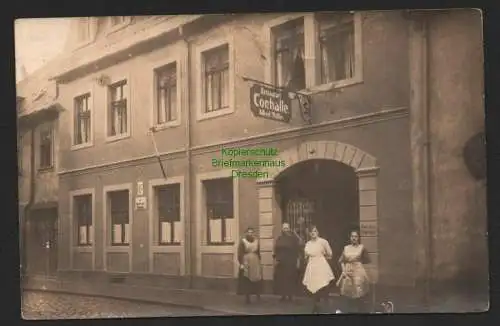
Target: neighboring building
37	166
358	164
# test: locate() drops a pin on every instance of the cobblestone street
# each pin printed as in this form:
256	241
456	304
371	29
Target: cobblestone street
44	305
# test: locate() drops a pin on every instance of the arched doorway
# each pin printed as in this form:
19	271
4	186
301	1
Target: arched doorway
328	183
323	193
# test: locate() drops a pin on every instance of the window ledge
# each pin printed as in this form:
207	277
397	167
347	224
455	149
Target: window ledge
81	146
111	139
118	248
177	248
88	248
214	114
167	125
332	86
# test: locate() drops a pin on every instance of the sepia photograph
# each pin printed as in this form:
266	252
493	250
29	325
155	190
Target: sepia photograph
252	164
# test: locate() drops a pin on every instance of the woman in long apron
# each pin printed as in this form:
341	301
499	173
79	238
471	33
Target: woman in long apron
318	274
354	283
250	273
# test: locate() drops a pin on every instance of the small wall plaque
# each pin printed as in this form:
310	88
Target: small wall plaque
140	202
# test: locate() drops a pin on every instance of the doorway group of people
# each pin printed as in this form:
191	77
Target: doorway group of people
307	265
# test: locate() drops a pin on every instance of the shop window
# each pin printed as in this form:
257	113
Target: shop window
169	214
336	40
118	112
166	94
289	58
83	217
216	80
220	214
120	217
46	147
82	114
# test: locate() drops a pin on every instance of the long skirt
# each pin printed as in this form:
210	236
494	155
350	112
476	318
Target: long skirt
356	284
247	287
286	278
250	278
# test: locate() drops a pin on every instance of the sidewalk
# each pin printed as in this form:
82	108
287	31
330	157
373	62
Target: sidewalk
217	302
231	304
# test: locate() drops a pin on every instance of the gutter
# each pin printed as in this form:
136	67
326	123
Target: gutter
427	162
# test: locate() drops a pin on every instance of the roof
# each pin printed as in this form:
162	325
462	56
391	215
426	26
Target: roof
37	91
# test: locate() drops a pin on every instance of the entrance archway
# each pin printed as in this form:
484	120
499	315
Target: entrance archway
310	172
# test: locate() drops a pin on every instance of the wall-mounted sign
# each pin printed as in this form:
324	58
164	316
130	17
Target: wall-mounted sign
140	188
270	103
368	229
141	203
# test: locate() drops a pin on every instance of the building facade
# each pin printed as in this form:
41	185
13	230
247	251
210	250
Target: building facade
38	159
181	86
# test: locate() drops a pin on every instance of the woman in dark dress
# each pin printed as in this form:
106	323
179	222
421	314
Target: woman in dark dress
286	253
250	273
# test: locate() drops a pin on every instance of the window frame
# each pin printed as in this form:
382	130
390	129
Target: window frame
154	94
48	127
76	216
127	94
200	69
312	50
90	143
122	243
177	206
75	248
202	247
223	241
155	248
107	248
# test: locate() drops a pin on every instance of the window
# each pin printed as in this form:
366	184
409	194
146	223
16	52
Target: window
82	120
118	119
219	208
169	215
166	94
119	211
289	67
83	216
83	30
216	69
46	147
336	40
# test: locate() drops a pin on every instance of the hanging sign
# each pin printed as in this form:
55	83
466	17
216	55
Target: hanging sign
270	103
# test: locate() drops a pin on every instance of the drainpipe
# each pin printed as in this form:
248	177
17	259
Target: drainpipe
31	200
190	225
421	152
427	162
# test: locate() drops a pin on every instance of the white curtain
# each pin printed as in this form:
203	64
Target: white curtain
215	230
